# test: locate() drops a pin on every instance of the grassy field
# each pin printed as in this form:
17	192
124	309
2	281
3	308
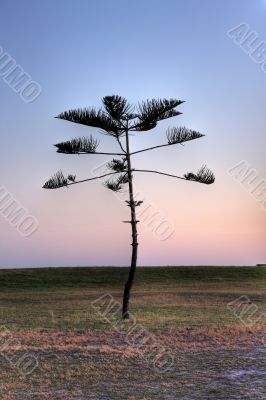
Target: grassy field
162	297
48	313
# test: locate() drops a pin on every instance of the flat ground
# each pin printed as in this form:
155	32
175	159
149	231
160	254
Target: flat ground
218	351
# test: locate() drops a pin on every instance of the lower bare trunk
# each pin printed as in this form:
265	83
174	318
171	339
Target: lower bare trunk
130	281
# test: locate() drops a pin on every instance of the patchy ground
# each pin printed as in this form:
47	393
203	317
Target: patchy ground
75	354
79	364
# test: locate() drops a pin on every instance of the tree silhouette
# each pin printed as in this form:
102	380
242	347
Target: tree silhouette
119	119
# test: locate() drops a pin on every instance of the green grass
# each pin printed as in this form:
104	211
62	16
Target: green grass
76	277
162	297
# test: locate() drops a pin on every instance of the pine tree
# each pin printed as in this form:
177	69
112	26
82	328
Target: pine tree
119	119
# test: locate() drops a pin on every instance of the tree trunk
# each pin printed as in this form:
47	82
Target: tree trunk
130	281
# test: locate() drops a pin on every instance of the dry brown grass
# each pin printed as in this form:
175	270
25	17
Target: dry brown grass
78	364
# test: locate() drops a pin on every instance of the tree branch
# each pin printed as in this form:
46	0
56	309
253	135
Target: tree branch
160	173
49	184
120	144
187	177
82	153
175	136
152	111
204	175
154	147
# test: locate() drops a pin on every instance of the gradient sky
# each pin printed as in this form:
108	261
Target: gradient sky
82	50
